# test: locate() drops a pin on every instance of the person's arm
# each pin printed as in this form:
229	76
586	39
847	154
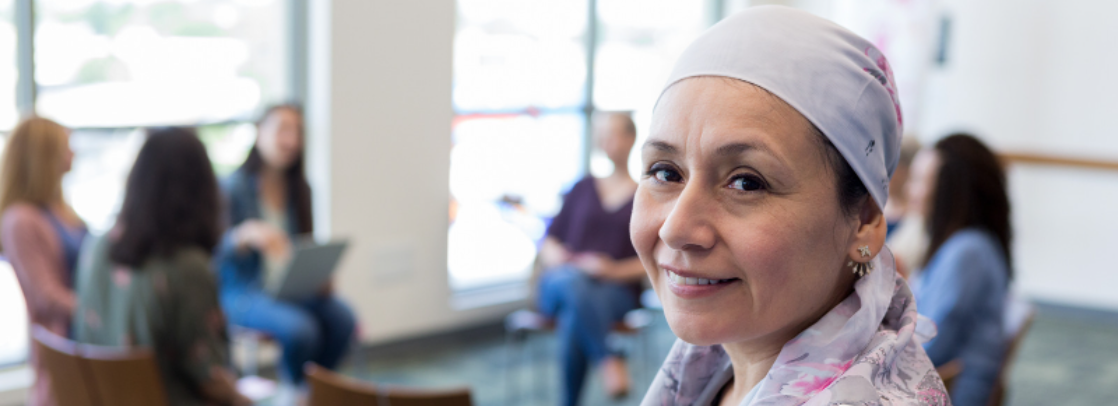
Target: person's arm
951	287
25	241
200	336
553	253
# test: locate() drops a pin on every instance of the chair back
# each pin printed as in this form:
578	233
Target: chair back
1019	316
125	377
329	388
59	358
87	375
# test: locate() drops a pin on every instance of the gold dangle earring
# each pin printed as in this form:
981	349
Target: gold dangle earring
862	268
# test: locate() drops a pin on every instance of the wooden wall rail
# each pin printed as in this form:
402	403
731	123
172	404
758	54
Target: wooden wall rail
1053	160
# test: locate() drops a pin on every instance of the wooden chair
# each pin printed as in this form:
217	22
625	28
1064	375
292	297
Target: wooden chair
328	389
1019	316
1019	321
949	371
65	367
124	376
98	376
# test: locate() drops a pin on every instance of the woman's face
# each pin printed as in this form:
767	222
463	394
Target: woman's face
279	140
67	154
611	136
921	182
738	192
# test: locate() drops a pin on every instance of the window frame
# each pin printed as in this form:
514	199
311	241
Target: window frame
717	10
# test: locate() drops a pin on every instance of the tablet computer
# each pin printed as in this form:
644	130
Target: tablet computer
310	268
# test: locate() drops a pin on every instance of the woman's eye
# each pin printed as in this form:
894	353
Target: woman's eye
747	183
665	174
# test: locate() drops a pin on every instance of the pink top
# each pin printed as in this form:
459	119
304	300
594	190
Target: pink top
33	248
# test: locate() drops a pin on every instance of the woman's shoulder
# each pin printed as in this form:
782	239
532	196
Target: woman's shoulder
23	214
970	242
192	263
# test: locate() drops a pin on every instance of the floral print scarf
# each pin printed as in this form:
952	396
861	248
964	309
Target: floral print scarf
865	351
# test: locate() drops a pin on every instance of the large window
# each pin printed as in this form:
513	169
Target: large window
105	68
523	97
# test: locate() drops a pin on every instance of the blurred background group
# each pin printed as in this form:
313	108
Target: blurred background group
446	139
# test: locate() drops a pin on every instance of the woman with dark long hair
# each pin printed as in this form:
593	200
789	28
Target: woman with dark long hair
149	281
960	188
269	203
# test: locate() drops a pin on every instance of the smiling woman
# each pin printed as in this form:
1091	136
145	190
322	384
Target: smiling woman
759	221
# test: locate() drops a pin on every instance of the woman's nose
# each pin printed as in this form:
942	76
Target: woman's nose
688	226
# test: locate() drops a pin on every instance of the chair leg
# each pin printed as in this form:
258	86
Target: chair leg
252	362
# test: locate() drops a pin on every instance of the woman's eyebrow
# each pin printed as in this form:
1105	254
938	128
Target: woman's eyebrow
661	146
737	148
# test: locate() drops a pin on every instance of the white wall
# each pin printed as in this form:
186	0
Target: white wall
1035	76
1042	76
379	116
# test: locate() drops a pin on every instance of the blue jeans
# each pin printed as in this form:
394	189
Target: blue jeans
584	309
319	329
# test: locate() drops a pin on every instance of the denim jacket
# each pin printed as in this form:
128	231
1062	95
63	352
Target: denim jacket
240	271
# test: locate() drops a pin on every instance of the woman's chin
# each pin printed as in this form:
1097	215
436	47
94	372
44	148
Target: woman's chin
703	329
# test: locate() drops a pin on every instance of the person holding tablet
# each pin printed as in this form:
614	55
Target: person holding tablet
269	203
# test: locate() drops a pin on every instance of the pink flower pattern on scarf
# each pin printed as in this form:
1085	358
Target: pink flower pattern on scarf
884	74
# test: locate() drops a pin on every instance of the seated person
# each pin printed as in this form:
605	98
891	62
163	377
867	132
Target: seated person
905	236
592	275
40	233
896	210
149	282
269	203
959	187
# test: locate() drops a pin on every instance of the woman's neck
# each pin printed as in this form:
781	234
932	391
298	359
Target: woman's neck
620	171
751	361
272	186
271	173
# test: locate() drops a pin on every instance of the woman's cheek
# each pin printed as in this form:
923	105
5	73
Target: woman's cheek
644	231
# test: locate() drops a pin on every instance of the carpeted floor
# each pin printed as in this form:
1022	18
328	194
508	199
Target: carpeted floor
1068	358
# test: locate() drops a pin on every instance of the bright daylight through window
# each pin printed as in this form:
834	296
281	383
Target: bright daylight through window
106	67
520	94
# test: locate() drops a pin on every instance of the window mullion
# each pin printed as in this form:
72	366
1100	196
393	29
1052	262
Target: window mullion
588	107
25	56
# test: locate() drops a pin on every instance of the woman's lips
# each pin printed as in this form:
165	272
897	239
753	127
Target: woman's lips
693	287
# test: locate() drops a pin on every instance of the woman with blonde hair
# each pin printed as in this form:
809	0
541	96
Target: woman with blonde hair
40	234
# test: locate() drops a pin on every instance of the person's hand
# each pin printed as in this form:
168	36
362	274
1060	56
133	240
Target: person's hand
553	253
594	263
264	237
327	288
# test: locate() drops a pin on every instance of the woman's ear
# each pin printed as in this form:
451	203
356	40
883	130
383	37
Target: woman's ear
870	236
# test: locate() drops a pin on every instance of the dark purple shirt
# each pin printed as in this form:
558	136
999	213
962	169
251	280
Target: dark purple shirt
583	225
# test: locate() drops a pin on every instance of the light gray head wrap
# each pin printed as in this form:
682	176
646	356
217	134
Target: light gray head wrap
836	79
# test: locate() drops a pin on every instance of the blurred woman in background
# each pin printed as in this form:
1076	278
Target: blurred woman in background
959	187
592	274
905	236
40	234
149	282
269	203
